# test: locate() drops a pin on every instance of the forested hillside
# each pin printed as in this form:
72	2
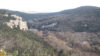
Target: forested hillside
77	29
16	42
74	32
82	19
21	43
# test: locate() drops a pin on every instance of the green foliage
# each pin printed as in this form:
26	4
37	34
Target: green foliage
26	43
88	26
72	20
2	52
15	53
63	53
22	43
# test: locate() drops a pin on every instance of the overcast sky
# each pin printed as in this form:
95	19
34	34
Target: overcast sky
45	5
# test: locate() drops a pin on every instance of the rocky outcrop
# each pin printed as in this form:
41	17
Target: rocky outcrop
18	22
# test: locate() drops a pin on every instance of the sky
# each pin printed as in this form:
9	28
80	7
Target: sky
34	6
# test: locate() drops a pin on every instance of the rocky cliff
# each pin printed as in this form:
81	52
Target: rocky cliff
18	22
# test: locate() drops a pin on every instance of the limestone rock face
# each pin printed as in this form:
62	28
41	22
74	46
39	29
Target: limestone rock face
18	22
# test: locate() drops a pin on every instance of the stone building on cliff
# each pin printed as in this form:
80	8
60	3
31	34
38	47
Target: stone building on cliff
18	22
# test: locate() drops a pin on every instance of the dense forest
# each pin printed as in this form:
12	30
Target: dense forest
16	42
74	32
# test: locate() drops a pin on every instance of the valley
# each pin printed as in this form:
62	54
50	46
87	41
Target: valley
73	32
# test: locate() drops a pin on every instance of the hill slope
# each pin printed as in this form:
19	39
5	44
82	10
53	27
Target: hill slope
80	19
77	29
21	43
28	16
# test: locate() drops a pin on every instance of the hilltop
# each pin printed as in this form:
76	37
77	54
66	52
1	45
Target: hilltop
67	20
77	29
82	19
